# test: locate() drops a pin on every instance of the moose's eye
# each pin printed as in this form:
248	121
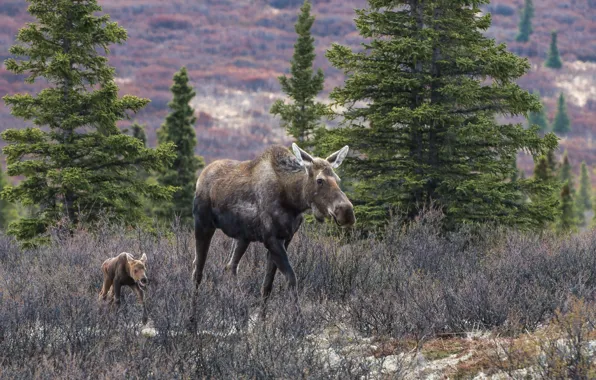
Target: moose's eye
319	181
136	271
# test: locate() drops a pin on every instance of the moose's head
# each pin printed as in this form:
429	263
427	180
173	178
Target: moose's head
322	191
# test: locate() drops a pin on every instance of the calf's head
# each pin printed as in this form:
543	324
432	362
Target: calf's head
322	191
138	271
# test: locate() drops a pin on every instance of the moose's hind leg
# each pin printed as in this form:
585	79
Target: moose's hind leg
203	236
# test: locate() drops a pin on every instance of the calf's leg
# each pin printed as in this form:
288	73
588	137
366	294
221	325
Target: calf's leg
141	298
105	289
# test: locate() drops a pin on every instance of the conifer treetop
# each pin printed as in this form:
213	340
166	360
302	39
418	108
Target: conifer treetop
301	116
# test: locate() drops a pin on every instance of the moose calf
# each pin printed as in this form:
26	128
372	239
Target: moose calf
124	270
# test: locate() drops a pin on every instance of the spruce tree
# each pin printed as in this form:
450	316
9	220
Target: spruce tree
568	219
420	116
542	171
138	132
539	117
553	60
75	163
584	196
547	186
552	161
561	124
301	116
515	172
566	178
178	129
566	173
525	22
8	212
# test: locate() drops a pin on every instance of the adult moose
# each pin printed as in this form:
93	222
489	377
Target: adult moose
263	201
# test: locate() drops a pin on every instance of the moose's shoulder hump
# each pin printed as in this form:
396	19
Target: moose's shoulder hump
283	160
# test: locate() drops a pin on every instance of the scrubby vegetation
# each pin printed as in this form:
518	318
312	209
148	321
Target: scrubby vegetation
410	285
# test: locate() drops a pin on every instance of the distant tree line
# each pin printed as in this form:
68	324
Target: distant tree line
553	59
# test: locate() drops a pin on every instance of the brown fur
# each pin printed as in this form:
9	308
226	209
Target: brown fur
263	201
124	270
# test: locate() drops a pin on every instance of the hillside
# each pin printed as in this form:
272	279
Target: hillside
234	51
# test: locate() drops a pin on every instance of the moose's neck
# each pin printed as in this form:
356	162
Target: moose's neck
298	194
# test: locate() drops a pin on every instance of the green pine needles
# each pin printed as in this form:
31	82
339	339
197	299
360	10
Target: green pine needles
420	104
525	22
178	129
75	163
539	118
301	117
584	195
561	123
8	211
553	60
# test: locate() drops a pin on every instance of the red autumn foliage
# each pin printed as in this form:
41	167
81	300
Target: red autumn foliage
246	45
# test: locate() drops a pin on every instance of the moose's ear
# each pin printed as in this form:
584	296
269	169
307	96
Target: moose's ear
337	158
144	258
301	155
129	257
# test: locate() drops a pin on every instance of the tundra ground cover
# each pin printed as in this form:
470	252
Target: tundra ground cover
379	297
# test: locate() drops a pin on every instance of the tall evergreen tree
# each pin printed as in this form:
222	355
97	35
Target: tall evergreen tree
179	130
561	124
539	117
585	188
138	132
80	163
421	117
515	173
566	174
568	219
525	22
553	60
542	171
301	117
148	205
584	194
566	178
547	185
552	161
7	210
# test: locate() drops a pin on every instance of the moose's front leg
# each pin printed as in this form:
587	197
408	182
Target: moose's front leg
279	256
238	250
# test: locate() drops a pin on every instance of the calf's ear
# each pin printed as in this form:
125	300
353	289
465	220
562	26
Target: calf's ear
144	258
